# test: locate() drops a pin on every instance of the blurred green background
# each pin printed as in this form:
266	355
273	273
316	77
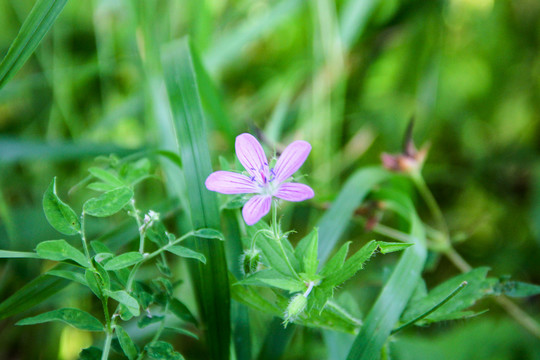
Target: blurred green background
346	76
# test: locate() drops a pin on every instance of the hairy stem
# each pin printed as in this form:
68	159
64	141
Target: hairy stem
277	237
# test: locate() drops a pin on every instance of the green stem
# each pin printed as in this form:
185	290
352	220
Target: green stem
430	201
83	239
277	237
157	334
420	317
107	345
135	214
162	249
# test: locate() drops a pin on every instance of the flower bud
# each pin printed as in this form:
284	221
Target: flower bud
296	307
250	261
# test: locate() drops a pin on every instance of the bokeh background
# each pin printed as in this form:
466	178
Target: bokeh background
346	76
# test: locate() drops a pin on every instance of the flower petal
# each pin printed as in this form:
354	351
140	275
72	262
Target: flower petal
251	155
256	208
227	182
291	159
294	192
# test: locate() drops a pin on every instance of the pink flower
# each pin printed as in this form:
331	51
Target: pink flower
263	181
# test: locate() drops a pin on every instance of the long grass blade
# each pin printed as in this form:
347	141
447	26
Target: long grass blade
211	280
37	24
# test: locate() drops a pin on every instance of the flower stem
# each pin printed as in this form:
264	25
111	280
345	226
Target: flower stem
135	214
83	239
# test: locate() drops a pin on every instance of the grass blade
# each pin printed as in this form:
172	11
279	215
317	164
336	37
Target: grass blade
34	28
33	293
211	280
392	300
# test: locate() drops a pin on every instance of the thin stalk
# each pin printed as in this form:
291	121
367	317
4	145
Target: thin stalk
420	317
430	201
83	239
140	224
277	237
107	345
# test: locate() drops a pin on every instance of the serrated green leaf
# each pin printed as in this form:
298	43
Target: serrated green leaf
388	247
69	275
273	278
128	346
161	350
5	254
59	214
108	203
106	176
181	331
74	317
125	299
351	266
273	255
478	286
123	261
35	26
60	250
336	262
186	253
209	234
309	257
179	309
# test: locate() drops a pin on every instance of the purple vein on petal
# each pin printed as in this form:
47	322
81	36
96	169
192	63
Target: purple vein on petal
291	159
251	154
227	182
294	192
256	208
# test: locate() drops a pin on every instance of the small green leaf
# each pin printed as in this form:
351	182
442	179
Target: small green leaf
101	186
100	247
187	253
123	261
59	214
91	353
149	320
106	176
273	255
310	260
161	350
103	275
351	266
179	309
5	254
108	203
388	247
125	299
59	250
181	331
157	233
517	289
126	343
74	317
70	275
209	234
336	262
273	278
92	281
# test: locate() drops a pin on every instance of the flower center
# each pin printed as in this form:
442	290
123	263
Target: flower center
265	180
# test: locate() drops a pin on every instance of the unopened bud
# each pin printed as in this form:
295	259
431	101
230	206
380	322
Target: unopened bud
296	307
250	261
